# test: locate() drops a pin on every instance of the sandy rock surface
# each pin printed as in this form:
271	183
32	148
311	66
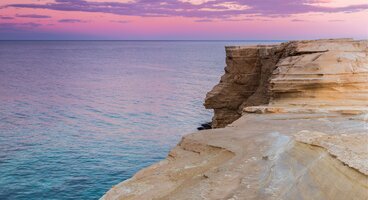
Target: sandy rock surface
296	122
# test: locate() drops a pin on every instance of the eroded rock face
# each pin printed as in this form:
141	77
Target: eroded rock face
302	132
323	74
244	83
319	74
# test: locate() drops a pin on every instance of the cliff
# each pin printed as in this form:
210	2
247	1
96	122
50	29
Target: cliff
321	74
296	117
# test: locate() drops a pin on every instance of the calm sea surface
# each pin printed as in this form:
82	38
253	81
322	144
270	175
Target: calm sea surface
77	117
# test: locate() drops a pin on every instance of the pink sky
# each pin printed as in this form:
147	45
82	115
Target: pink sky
183	19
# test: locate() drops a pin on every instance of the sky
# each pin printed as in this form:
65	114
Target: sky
182	19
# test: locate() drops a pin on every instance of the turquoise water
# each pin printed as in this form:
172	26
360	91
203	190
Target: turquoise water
78	117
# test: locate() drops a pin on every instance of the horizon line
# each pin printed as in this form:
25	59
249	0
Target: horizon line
142	40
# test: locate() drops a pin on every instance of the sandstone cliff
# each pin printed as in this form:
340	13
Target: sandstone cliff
297	128
326	74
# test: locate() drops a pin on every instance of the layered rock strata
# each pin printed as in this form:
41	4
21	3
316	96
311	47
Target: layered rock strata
320	74
244	83
300	130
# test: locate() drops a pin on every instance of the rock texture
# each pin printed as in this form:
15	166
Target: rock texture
349	148
244	83
299	130
320	74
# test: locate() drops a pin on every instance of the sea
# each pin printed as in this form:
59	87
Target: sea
77	117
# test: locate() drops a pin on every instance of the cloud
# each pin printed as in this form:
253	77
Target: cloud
220	9
33	16
7	27
226	6
204	20
298	20
5	17
71	21
16	27
196	2
120	21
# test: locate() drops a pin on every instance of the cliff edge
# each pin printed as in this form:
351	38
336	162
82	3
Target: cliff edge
298	76
295	120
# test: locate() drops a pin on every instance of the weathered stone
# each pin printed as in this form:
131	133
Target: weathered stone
314	73
244	83
300	132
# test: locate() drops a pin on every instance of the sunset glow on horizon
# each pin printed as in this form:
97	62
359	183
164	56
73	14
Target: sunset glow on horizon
183	19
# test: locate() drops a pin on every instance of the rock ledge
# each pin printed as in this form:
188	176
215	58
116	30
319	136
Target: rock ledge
296	127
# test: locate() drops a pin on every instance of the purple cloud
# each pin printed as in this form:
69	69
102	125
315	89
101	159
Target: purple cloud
120	21
29	31
71	21
204	20
15	27
5	17
244	19
211	9
34	16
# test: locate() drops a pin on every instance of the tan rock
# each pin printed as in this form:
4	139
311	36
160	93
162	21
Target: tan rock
303	74
352	149
257	157
303	133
